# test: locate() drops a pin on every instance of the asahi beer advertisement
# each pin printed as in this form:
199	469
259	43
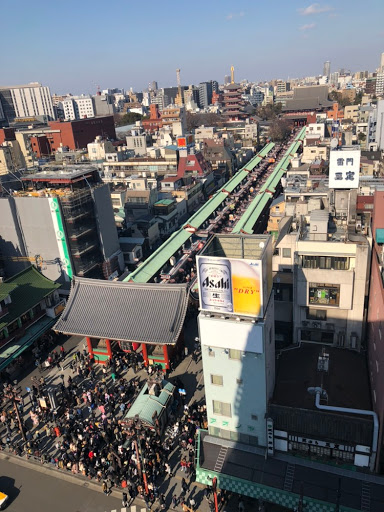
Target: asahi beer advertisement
230	286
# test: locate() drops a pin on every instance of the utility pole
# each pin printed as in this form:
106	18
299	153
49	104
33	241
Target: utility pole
214	488
13	393
140	459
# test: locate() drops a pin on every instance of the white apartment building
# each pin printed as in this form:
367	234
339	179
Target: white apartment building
29	100
78	107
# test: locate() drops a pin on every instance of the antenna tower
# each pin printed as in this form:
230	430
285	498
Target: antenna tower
179	93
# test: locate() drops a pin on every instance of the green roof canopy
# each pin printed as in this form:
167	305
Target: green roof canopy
27	288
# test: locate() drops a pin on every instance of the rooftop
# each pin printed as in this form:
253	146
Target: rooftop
249	467
346	382
143	313
147	407
27	288
60	175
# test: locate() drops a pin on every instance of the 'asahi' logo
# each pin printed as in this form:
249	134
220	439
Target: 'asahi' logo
222	283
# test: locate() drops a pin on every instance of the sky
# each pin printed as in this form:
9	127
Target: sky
76	46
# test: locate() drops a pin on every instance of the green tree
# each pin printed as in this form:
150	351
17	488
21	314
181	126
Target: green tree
361	137
128	118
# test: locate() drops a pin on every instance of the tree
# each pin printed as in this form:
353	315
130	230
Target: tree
196	120
279	129
128	118
358	98
361	137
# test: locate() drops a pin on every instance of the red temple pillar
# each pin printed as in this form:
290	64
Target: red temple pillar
145	353
135	346
109	348
166	358
89	344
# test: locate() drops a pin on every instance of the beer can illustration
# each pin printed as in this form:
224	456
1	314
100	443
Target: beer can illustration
215	284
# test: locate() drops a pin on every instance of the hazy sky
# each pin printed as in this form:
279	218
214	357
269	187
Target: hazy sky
73	46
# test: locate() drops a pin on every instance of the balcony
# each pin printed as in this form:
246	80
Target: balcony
80	249
80	231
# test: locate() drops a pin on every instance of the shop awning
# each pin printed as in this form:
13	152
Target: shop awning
14	348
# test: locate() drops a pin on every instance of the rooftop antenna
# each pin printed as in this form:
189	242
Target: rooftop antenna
232	75
179	87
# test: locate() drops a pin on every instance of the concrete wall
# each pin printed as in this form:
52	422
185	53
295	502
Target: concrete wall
105	221
27	230
248	382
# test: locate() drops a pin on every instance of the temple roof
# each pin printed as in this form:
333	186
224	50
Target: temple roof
143	313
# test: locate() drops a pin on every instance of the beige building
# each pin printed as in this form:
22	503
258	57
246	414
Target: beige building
329	268
314	152
352	112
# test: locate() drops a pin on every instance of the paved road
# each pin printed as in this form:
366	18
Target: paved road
32	491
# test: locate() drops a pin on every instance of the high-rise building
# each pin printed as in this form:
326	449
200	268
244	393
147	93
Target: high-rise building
380	84
215	86
227	80
153	86
381	69
327	68
29	100
205	94
227	314
67	219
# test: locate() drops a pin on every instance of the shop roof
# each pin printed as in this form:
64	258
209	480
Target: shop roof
27	288
145	406
143	313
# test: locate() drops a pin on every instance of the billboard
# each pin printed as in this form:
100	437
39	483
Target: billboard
244	336
230	286
344	168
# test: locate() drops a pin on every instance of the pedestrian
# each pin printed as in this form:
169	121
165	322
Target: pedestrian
125	499
192	504
184	485
162	501
175	501
241	506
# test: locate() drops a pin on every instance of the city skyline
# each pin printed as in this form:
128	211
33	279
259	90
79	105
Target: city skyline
204	42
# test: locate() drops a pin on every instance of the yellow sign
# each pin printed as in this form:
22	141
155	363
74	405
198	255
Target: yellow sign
230	285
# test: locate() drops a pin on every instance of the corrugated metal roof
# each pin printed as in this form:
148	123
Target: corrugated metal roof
149	313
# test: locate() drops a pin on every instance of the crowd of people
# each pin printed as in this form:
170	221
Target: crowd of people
78	427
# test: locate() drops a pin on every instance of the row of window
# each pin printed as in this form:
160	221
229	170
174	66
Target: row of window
232	353
326	262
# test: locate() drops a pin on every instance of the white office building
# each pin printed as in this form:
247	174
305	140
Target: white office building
78	107
29	100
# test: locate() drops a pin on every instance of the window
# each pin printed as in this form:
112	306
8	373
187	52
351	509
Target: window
276	251
239	381
12	327
324	294
217	380
326	262
254	417
317	336
234	354
221	408
286	252
316	314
